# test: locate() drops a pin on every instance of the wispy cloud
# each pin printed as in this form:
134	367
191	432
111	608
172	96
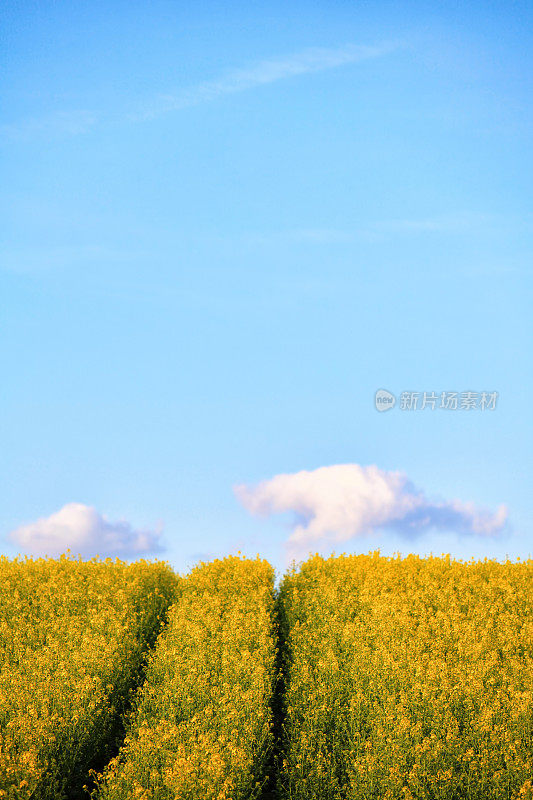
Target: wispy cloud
444	223
84	531
380	229
58	123
268	71
345	501
272	70
31	260
305	236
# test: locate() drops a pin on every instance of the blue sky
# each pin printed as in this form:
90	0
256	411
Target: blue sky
226	225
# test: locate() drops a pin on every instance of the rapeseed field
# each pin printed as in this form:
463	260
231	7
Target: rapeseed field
360	678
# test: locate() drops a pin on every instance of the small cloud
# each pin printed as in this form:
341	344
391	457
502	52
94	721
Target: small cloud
346	501
84	531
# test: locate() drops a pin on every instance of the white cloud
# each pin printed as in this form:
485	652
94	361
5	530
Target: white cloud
316	59
84	531
345	501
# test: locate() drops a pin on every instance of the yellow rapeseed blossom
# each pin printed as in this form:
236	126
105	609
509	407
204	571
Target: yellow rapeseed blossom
202	725
72	639
408	678
405	679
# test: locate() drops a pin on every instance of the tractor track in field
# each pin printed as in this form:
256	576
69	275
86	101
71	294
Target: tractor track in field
272	787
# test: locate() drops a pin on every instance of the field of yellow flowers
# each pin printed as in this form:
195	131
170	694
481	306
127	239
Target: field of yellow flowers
73	635
408	678
202	724
361	678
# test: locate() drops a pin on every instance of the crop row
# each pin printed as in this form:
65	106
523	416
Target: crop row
408	679
202	723
73	636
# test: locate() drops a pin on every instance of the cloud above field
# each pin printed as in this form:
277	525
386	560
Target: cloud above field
345	501
85	532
